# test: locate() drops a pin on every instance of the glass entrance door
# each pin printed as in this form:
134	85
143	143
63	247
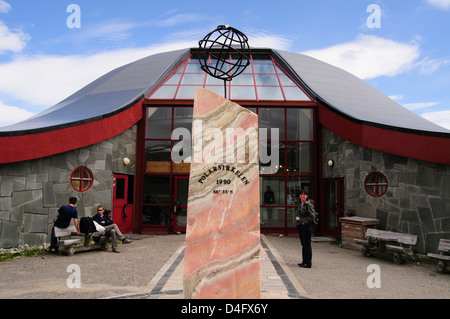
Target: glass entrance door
334	205
180	203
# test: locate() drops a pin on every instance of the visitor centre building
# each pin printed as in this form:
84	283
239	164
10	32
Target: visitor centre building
353	149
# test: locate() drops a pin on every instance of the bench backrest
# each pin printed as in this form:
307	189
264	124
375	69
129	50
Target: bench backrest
63	232
401	238
444	245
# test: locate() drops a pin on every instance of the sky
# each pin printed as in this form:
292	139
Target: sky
50	49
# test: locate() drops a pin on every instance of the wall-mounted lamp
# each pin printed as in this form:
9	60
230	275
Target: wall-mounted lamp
330	163
126	161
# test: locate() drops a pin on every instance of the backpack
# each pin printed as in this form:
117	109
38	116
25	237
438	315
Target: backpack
87	225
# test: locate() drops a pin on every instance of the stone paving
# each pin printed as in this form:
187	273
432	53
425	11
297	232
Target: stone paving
277	280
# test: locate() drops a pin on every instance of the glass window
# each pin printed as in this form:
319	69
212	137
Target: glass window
272	187
174	79
81	179
376	184
272	118
242	92
159	122
268	77
156	189
299	158
193	78
294	94
183	118
294	185
157	156
269	93
299	124
187	91
270	161
155	215
263	67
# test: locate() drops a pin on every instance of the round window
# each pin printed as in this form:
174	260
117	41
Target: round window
81	179
376	184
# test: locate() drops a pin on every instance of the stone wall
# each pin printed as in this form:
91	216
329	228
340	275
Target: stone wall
418	197
32	191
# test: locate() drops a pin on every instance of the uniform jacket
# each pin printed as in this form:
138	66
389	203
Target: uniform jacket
306	214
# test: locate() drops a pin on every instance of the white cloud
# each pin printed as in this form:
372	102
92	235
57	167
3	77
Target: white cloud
442	4
5	7
267	40
12	39
12	114
441	118
418	106
370	56
44	80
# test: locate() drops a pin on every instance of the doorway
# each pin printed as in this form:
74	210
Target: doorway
180	203
122	213
333	205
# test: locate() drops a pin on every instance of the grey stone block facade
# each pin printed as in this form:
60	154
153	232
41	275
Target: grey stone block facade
32	191
417	200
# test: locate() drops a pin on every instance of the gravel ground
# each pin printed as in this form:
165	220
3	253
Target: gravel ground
102	273
340	273
336	273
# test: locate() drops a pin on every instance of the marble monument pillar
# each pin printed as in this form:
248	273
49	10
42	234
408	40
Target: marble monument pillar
222	235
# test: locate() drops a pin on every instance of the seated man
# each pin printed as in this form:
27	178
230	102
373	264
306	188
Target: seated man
63	217
111	229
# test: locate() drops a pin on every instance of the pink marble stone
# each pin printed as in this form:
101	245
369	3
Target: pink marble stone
222	235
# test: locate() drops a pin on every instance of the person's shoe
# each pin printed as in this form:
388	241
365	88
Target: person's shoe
126	241
304	265
116	250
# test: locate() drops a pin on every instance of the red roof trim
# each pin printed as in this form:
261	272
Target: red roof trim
32	146
421	147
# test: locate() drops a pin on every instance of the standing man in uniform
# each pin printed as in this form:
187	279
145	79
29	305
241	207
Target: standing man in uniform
305	217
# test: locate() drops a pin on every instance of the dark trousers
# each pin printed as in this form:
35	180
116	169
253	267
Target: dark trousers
305	233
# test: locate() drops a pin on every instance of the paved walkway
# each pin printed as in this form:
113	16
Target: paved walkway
277	280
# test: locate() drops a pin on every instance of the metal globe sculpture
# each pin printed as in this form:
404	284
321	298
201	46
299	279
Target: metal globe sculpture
215	50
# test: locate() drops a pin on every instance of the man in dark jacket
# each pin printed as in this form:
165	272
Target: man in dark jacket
305	217
111	229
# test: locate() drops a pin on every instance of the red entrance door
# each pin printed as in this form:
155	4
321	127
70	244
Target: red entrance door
334	205
180	203
122	213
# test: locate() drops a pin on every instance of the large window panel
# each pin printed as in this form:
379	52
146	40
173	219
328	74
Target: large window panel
157	156
183	118
155	215
159	122
300	124
274	184
272	157
156	189
269	93
272	118
294	185
299	158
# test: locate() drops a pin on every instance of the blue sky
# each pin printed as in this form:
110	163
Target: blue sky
405	53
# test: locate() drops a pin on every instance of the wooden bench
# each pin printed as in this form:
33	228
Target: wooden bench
400	245
443	257
70	245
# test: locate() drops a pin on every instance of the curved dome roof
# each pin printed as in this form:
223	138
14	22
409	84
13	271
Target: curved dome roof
347	105
109	94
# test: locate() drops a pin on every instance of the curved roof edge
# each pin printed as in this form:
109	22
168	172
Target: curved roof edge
359	113
353	98
107	96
